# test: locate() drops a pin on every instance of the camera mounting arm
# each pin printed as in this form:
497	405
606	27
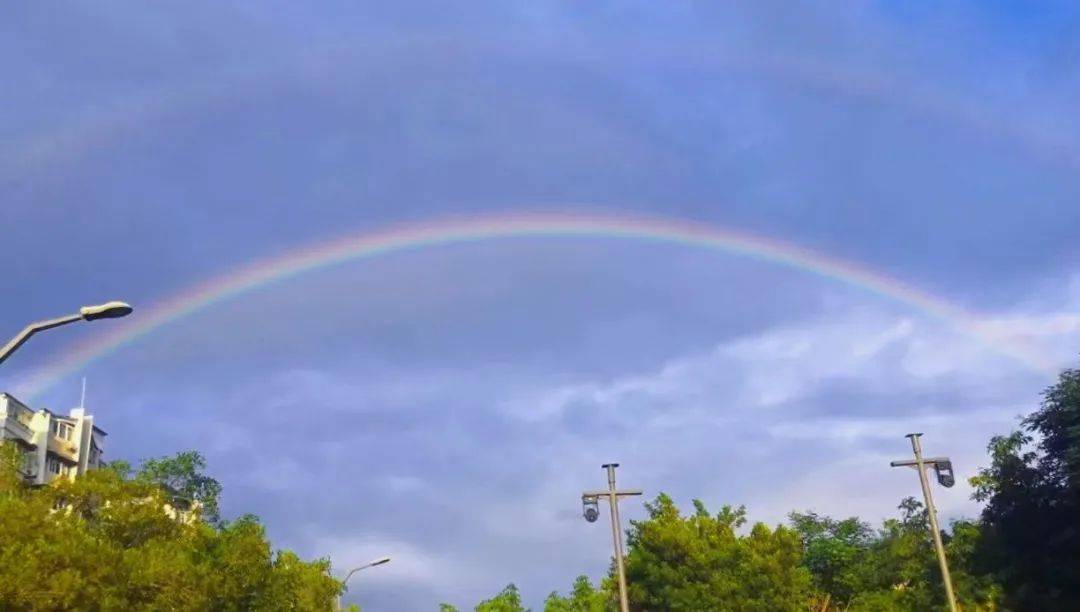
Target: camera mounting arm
604	493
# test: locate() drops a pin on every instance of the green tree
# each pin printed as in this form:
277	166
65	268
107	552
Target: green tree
900	570
835	552
508	600
699	562
182	478
583	597
897	568
105	542
976	587
1032	495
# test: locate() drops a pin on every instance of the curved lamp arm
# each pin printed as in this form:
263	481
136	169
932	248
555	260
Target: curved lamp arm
110	310
379	561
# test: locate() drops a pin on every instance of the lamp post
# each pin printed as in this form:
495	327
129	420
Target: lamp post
943	468
345	581
589	501
109	310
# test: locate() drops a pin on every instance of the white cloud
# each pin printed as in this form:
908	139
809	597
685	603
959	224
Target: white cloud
787	365
809	416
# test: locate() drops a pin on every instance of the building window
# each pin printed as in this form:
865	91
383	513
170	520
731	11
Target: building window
59	468
29	463
62	430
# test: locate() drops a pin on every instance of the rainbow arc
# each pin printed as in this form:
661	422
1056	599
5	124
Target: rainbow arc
504	227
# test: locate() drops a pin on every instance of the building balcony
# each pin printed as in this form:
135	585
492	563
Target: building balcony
65	449
16	427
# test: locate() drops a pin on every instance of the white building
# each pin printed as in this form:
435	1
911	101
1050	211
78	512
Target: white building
53	445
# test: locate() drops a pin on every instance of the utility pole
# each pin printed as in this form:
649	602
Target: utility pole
943	468
592	512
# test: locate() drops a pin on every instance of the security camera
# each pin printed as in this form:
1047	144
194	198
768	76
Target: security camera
944	473
591	509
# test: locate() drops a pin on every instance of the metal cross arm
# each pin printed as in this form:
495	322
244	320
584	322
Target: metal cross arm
926	461
590	495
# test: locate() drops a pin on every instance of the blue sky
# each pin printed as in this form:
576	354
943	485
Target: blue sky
447	406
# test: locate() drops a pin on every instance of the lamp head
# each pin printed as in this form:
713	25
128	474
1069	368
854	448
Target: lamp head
108	310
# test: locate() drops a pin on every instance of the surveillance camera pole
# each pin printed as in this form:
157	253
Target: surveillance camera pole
920	464
612	494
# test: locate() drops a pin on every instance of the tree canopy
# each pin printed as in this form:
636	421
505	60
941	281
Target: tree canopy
583	597
106	542
701	562
182	480
1031	519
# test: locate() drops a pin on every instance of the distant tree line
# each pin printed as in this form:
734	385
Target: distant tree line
1022	553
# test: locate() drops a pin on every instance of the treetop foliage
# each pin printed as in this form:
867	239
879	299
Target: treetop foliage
1032	496
106	542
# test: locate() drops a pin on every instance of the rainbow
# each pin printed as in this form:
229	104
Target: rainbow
136	113
468	230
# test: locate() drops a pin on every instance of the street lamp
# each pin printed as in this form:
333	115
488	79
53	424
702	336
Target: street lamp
109	310
345	581
943	469
591	510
